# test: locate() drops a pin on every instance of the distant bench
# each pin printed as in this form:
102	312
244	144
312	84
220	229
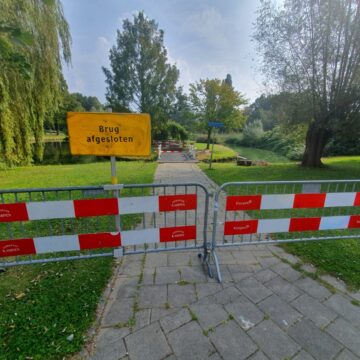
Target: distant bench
242	161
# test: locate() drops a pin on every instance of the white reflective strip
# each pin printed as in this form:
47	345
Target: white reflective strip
50	210
273	226
49	244
277	201
134	205
340	199
138	237
334	222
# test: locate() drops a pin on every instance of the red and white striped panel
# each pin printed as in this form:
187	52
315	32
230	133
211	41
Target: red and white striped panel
49	244
266	226
95	207
292	201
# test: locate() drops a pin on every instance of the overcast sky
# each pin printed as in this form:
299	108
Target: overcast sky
204	38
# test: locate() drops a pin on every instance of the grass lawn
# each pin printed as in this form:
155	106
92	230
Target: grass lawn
220	152
259	154
47	309
339	258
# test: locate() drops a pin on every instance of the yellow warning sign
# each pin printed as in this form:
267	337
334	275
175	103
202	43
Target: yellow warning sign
109	134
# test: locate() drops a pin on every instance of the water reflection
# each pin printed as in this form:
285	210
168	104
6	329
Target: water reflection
58	152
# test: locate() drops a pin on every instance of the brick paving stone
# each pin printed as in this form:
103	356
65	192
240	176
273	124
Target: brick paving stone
209	315
148	276
127	287
274	342
314	310
178	259
253	289
244	258
347	355
193	274
189	342
290	258
118	312
175	320
149	343
245	313
109	345
215	356
266	262
313	288
346	334
225	274
286	271
152	296
243	268
166	275
131	268
310	268
283	288
203	290
303	355
158	313
232	342
265	275
259	356
336	283
156	260
316	342
279	311
228	295
142	319
226	258
180	295
344	307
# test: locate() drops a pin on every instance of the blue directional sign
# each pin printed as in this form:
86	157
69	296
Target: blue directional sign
215	124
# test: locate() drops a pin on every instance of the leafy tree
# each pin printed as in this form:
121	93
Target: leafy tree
34	38
141	79
216	100
312	48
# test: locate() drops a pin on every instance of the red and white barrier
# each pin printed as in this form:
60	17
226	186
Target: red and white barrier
263	226
49	244
43	210
292	201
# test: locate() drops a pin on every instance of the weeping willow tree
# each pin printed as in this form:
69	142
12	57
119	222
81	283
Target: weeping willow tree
34	39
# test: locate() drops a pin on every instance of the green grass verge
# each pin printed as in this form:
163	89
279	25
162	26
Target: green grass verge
259	154
339	258
220	152
47	309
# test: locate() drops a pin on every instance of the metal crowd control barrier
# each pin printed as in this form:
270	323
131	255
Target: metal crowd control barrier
55	224
250	213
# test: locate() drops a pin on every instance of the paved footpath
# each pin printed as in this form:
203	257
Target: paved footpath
162	306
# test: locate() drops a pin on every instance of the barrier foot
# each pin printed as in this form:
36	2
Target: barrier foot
208	256
217	267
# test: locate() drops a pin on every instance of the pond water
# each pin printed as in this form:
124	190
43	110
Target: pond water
58	152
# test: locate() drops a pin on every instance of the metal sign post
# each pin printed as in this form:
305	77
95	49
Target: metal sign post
214	124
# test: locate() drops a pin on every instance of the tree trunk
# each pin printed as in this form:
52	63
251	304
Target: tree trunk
208	138
316	139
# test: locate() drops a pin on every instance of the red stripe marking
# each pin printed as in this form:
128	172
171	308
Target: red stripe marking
357	199
354	222
13	212
304	224
306	201
98	241
249	202
178	233
17	247
240	227
177	202
96	207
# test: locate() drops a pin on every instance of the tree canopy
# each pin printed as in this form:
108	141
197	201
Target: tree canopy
140	78
34	39
312	48
217	100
